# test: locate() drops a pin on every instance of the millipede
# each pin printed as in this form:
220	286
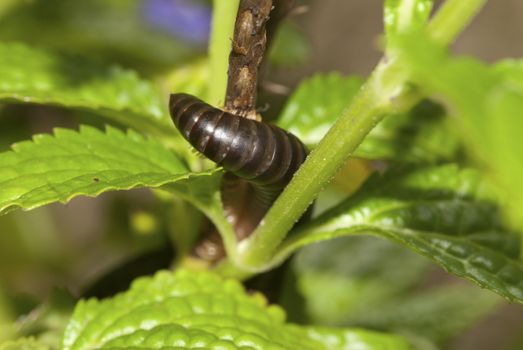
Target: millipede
260	158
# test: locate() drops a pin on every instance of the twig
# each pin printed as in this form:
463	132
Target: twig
248	47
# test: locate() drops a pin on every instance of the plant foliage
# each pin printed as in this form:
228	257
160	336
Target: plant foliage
189	310
440	134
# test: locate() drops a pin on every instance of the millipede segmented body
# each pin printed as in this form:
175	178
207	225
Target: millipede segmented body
262	157
261	153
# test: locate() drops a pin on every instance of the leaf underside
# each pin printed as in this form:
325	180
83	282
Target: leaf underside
29	75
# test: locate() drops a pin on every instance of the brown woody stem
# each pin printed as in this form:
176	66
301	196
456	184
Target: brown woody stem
248	47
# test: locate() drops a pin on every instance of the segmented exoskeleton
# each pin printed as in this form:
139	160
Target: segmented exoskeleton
263	155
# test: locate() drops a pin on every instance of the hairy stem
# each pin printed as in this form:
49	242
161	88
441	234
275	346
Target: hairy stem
332	152
365	111
223	18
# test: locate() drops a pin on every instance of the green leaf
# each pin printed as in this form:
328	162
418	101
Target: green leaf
420	135
89	162
315	105
439	313
487	104
402	15
117	31
443	213
339	278
511	71
188	310
356	339
23	344
363	282
40	76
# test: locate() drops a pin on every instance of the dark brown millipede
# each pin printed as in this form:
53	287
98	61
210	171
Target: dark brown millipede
262	158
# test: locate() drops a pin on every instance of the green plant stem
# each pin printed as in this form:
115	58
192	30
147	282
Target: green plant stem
223	19
365	111
332	152
227	268
452	18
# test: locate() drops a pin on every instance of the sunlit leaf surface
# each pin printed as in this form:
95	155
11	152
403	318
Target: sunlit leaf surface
199	310
59	167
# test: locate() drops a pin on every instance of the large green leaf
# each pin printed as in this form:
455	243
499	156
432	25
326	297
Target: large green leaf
189	310
40	76
363	282
443	213
89	162
339	278
487	103
420	135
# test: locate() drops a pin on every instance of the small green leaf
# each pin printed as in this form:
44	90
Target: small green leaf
420	135
23	344
402	15
89	162
188	310
40	76
443	213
